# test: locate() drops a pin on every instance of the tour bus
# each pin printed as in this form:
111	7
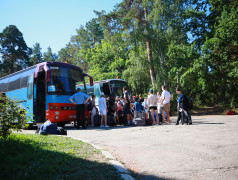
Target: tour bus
109	87
44	89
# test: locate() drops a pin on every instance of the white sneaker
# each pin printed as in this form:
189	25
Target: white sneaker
107	126
102	126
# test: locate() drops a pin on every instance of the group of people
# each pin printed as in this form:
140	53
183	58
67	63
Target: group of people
155	106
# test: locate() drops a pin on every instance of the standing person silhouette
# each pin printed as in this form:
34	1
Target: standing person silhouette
127	107
80	99
166	97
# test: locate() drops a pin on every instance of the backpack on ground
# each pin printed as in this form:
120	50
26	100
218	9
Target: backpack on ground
139	118
48	128
148	122
138	114
97	120
122	119
139	121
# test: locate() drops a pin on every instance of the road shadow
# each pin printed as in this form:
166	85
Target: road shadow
151	177
204	122
71	127
22	159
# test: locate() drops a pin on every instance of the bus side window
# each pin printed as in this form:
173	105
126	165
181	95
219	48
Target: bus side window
97	92
30	87
4	84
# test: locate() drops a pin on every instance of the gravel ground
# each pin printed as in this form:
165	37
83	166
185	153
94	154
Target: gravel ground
208	149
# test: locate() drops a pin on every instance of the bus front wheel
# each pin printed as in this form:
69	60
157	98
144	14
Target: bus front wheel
61	124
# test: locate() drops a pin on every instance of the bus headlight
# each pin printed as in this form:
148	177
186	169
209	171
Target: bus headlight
57	113
56	117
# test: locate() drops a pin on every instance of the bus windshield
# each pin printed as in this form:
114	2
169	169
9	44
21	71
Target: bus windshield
63	80
117	87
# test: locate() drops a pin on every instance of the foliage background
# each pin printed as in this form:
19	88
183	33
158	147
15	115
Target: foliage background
190	43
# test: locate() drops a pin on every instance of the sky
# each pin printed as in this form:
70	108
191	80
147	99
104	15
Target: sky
50	22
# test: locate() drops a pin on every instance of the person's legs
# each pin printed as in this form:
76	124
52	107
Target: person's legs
82	114
179	117
163	116
166	110
129	117
157	116
78	115
168	116
189	118
105	119
93	113
152	115
102	119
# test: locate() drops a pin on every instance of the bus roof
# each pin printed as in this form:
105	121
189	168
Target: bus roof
37	66
102	81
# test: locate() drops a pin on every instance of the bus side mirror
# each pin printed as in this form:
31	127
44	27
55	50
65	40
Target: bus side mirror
91	79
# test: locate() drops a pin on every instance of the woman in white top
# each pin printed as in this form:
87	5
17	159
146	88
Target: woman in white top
159	104
152	103
94	110
103	110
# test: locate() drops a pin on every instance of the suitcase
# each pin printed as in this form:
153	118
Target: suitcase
97	120
148	122
139	121
138	114
110	120
122	120
186	119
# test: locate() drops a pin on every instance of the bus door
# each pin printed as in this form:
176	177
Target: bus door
40	106
97	93
30	91
105	88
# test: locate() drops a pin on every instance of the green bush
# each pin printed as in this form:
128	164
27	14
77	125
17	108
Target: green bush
12	116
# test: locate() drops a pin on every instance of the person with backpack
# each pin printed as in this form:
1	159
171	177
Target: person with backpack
183	108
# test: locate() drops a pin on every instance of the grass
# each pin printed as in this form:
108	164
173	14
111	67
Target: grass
25	156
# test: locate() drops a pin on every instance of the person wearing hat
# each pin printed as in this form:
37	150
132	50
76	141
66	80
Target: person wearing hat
80	99
152	103
103	110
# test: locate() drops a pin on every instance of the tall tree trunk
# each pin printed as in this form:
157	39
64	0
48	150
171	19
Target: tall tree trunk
149	52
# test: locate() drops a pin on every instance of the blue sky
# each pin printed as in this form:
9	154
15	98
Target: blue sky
50	22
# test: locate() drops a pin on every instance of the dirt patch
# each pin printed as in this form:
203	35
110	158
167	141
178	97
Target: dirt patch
215	110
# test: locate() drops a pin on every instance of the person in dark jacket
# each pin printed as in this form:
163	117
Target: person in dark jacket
183	109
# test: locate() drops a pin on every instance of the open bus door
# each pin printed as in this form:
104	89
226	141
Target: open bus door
105	88
40	97
30	92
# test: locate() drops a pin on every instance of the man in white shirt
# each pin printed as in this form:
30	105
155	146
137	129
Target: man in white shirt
166	97
103	110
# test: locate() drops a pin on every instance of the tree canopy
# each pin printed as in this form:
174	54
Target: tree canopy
187	43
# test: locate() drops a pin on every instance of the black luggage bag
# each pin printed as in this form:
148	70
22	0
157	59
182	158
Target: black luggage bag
97	120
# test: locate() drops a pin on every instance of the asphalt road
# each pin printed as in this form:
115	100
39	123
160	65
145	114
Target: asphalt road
208	149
